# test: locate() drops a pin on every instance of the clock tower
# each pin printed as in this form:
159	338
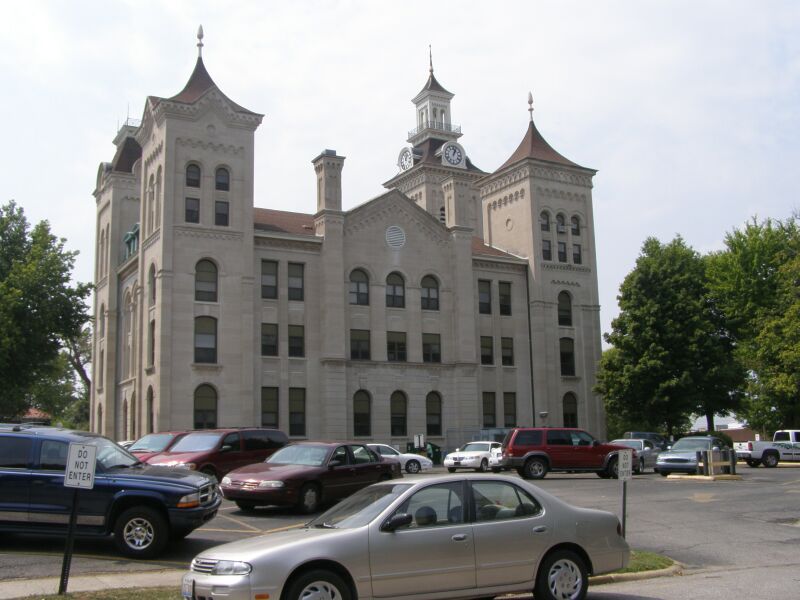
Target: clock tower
434	169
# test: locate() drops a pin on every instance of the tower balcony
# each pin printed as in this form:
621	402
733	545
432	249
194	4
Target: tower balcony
435	126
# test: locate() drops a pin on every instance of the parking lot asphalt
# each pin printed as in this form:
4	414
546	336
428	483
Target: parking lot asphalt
743	527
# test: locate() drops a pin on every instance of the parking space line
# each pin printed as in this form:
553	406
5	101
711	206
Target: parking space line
239	522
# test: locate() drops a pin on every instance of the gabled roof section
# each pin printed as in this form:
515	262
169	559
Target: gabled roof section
127	154
479	248
534	146
199	84
282	221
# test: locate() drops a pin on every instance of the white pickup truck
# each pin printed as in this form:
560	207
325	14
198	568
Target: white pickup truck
785	445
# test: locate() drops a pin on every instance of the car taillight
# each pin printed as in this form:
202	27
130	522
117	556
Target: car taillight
750	446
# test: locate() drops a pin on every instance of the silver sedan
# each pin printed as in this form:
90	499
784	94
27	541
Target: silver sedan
446	537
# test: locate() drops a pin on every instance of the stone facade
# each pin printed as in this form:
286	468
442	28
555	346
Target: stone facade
433	309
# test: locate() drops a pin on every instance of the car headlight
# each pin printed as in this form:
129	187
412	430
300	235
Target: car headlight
189	500
231	567
226	480
191	466
271	484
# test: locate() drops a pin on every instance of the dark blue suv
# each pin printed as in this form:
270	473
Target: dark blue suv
142	506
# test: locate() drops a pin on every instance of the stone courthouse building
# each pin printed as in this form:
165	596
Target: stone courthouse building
458	303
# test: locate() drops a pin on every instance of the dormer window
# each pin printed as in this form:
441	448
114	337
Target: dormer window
192	176
222	180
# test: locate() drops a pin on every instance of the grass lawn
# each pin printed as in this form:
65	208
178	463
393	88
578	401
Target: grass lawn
640	561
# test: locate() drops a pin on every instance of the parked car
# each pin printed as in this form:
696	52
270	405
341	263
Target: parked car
148	446
474	455
659	440
307	474
682	458
534	451
460	537
410	463
646	450
785	446
217	451
126	443
142	506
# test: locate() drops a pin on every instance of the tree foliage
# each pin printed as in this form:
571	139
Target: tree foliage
671	355
756	283
39	307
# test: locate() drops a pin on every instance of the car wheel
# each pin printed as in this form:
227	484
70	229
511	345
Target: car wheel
613	468
451	469
603	475
535	468
562	576
209	471
141	532
484	466
662	473
309	498
245	505
753	463
770	459
496	469
640	467
412	466
318	584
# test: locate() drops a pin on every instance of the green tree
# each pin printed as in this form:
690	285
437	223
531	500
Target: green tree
755	283
671	355
39	307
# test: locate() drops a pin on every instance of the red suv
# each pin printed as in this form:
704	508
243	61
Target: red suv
533	451
217	451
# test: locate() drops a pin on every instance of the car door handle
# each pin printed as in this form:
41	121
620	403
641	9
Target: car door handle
459	537
37	482
540	529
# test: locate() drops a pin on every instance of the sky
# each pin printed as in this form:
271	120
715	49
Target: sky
690	111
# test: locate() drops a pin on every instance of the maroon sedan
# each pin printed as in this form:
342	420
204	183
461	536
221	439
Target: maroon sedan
305	474
154	443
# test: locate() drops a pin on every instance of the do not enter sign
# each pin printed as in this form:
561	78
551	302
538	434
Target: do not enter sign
80	466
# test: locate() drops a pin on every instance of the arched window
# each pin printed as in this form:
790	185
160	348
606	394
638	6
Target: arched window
433	414
399	407
192	176
544	221
205	281
430	293
101	321
222	180
442	215
149	206
362	414
205	407
151	283
157	209
567	353
576	226
395	291
564	309
359	287
570	409
150	411
561	223
205	340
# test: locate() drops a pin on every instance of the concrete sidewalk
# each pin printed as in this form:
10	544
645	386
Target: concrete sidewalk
21	588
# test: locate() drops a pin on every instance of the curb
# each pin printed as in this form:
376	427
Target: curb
674	477
676	569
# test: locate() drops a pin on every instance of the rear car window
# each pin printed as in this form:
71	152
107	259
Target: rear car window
53	455
528	438
15	452
781	436
559	438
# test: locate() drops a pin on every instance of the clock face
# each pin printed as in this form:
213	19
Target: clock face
406	160
453	155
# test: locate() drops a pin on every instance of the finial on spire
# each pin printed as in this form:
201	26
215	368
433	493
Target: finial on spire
530	105
430	58
200	42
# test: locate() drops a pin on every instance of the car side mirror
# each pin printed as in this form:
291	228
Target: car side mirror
226	448
668	447
715	448
334	463
457	450
595	442
396	521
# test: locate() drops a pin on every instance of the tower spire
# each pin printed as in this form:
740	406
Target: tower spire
530	105
430	58
200	42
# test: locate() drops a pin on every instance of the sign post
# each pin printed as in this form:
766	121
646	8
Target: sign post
419	441
79	473
625	473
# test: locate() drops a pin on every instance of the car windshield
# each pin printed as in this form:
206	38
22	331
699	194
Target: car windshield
691	444
476	447
636	445
311	456
360	508
154	442
111	455
197	442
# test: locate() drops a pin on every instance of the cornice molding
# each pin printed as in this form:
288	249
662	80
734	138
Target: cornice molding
548	266
206	145
509	198
565	282
314	246
499	265
207	234
394	209
212	100
154	154
546	192
152	239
